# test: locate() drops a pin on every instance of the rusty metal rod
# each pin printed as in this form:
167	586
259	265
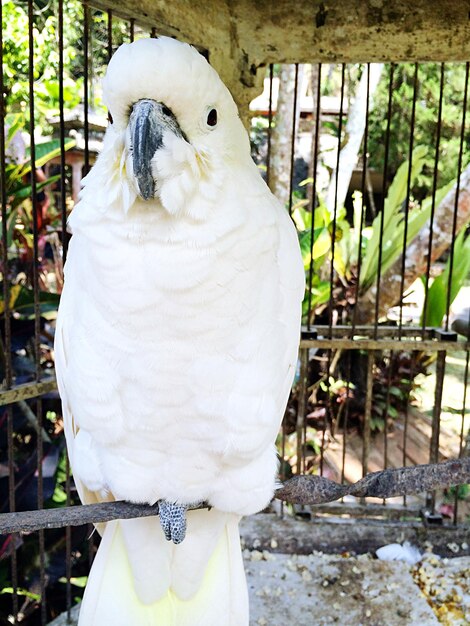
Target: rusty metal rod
293	137
270	124
298	490
344	343
384	194
387	483
408	195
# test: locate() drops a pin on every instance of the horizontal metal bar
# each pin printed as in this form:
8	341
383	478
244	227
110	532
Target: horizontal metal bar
345	343
300	489
27	391
356	509
369	330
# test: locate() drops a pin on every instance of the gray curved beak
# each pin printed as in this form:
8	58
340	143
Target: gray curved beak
147	123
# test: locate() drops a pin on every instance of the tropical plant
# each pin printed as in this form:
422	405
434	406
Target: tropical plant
426	121
387	229
438	296
19	210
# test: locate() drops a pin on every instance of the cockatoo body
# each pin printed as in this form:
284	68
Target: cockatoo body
176	341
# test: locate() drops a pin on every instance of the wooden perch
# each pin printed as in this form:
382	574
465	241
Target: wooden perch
298	490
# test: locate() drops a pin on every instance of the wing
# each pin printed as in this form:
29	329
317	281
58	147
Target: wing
64	329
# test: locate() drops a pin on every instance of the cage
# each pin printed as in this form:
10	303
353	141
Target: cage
358	120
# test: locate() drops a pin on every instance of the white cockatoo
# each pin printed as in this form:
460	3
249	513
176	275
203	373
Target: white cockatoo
176	341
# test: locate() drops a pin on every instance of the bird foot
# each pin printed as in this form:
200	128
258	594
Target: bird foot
173	520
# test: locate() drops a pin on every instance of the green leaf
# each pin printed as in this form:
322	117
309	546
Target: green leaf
24	304
22	592
45	152
23	193
436	305
14	122
322	244
393	224
301	217
78	581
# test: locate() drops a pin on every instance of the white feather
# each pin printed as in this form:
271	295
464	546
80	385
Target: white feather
176	344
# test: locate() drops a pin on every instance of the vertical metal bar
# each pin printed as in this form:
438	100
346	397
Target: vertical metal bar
406	420
329	412
462	429
68	542
63	177
367	413
37	327
385	411
86	32
333	234
12	507
436	419
384	191
110	34
37	319
433	198
283	455
314	195
294	132
3	191
457	194
7	328
359	258
346	420
408	194
363	207
270	124
301	409
132	29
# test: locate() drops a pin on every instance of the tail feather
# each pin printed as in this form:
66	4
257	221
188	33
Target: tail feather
219	599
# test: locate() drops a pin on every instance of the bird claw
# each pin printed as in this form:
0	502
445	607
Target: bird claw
173	520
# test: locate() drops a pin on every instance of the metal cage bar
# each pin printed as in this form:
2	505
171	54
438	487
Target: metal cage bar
330	343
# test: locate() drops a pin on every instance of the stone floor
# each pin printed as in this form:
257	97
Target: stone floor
320	589
307	587
316	590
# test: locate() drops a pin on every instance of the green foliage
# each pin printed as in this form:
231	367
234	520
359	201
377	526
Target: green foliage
426	119
17	176
46	58
318	253
394	222
348	236
437	295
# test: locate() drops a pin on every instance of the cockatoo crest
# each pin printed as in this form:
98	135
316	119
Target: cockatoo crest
200	132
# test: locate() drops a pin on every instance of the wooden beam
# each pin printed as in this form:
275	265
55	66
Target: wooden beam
27	391
289	31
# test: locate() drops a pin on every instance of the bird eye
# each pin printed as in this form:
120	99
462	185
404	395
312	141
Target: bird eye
110	117
166	110
212	117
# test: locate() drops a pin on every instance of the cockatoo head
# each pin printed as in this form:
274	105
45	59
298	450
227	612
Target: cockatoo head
173	124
